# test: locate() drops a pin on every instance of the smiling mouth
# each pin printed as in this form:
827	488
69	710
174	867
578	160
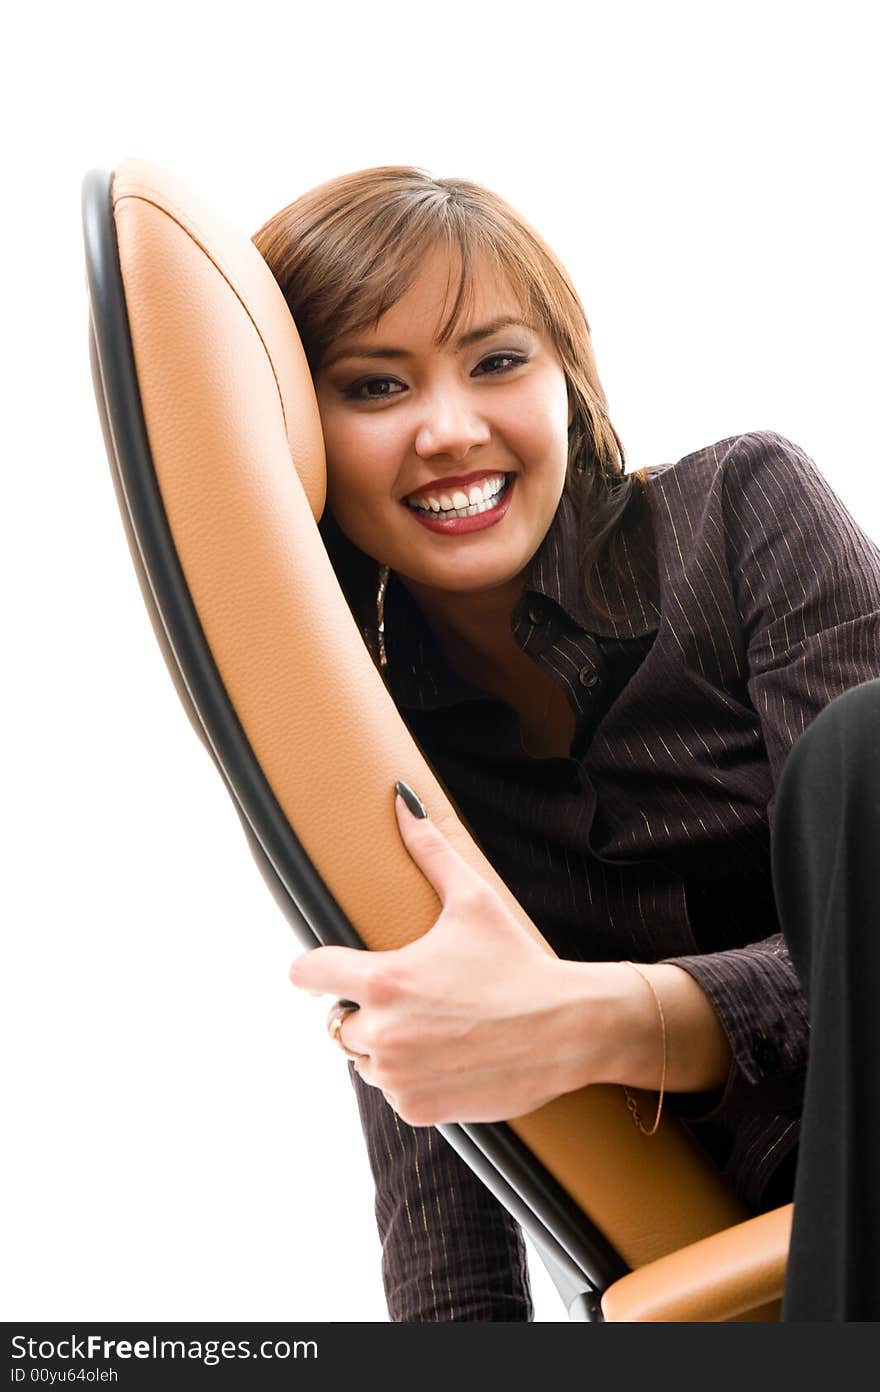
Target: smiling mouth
470	510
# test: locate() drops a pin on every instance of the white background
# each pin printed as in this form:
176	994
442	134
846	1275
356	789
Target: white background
182	1141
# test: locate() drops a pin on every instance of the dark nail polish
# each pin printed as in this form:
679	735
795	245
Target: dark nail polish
412	800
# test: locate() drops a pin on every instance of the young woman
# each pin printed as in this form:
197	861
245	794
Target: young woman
608	672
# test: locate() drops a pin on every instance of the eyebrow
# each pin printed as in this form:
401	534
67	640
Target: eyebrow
367	350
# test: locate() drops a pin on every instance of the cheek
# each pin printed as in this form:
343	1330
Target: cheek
538	423
347	473
557	413
361	476
361	458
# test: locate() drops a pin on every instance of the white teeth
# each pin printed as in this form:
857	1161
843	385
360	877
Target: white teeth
477	499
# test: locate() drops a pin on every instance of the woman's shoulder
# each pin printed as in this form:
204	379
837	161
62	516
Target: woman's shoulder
765	496
749	450
751	472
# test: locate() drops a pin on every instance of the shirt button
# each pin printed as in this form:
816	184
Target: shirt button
588	676
536	614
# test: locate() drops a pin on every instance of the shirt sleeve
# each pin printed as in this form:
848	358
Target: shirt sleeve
806	583
450	1250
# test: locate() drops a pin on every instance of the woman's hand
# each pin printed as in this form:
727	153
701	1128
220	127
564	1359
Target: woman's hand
463	1024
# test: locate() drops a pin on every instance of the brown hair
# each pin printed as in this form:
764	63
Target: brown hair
347	250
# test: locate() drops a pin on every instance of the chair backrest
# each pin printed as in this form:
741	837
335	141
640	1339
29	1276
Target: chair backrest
214	439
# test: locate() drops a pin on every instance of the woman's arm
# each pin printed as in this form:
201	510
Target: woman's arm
622	1011
805	580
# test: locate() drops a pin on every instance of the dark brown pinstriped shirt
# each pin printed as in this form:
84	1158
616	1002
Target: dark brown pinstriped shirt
751	599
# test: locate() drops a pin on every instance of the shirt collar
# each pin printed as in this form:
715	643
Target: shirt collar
555	573
418	674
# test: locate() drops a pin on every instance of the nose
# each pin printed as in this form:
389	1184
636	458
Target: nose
450	426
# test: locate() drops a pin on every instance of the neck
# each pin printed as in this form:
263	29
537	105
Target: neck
473	631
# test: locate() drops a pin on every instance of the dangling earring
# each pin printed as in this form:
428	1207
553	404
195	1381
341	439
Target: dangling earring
380	614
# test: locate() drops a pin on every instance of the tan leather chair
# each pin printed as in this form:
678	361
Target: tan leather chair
214	441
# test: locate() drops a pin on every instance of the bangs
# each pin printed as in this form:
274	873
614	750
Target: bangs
396	265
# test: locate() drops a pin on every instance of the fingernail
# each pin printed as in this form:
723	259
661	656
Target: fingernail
412	800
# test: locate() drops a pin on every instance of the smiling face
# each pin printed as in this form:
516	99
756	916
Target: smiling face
401	422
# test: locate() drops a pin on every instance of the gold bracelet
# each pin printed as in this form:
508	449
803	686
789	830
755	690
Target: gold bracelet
630	1101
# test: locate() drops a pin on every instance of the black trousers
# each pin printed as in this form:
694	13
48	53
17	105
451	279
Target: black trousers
825	842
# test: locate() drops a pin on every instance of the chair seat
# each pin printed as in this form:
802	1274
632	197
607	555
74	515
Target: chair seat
736	1274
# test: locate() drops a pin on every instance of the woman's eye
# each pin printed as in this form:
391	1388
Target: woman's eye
355	391
503	357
